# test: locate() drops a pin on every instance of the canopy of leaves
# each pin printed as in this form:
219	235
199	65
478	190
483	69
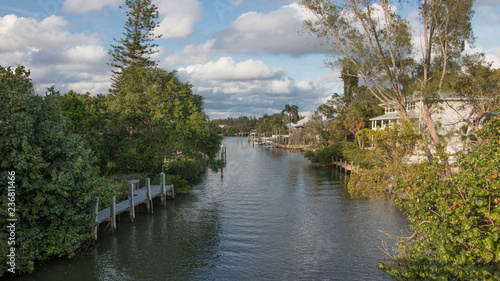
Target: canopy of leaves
158	118
456	222
136	46
54	174
88	117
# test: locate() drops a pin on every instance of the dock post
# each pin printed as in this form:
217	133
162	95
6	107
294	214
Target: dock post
163	189
173	191
352	167
132	211
112	209
149	203
96	219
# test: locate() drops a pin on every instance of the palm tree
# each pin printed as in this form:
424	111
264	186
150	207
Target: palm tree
292	114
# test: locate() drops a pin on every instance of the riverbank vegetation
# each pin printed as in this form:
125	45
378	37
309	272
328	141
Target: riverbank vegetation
68	149
453	207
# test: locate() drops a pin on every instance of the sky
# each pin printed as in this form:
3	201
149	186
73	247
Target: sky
246	58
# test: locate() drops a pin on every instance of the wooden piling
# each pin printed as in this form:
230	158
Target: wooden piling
96	220
163	189
149	203
131	211
112	209
137	196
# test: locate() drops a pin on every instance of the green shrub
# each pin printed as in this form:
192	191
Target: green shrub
456	221
324	156
56	177
360	157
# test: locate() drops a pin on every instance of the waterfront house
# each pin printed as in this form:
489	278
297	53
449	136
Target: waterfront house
446	117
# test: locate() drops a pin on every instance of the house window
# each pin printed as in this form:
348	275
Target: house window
411	105
388	110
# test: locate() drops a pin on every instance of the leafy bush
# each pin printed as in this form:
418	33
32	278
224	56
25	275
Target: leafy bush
456	221
324	156
181	185
139	154
352	153
183	172
55	175
386	164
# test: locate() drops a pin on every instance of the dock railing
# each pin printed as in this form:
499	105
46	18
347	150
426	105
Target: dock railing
137	196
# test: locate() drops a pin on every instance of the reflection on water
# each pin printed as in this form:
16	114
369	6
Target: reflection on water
272	216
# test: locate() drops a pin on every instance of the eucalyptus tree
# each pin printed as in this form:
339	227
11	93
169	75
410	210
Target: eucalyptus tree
376	39
479	84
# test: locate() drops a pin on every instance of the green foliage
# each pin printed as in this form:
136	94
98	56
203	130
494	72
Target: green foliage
325	155
56	182
360	157
456	221
188	169
373	41
292	115
386	164
157	118
180	184
87	116
232	126
136	47
271	124
139	154
394	144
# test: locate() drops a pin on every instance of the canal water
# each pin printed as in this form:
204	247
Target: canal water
271	216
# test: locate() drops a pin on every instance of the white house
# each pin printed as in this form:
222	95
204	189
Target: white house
446	119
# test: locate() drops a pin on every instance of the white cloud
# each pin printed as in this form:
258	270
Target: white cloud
178	18
491	55
55	56
282	86
494	57
253	88
276	32
191	54
226	68
85	6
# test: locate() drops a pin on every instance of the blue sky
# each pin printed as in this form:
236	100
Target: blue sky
244	57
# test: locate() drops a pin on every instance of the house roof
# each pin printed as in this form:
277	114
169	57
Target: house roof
388	116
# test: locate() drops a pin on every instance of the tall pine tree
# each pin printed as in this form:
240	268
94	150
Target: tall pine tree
136	47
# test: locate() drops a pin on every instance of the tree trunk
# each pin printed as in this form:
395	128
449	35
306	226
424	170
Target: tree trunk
431	128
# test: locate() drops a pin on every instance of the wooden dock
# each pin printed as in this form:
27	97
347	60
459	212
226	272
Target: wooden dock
137	196
344	166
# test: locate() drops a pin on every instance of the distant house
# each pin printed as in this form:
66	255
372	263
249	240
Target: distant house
299	124
445	117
